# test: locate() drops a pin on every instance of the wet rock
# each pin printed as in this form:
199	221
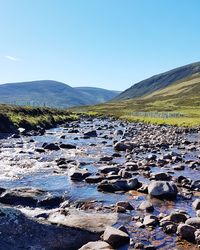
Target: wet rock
106	158
150	220
39	150
94	179
67	146
195	222
178	217
186	232
122	146
118	132
196	204
125	174
108	169
196	185
79	174
162	189
115	237
161	176
147	206
51	202
21	232
91	133
125	204
96	245
168	227
179	167
120	209
23	196
51	146
131	166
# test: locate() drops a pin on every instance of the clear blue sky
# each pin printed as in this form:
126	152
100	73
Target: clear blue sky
104	43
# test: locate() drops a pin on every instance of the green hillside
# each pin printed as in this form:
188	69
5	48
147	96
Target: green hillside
160	81
177	104
52	94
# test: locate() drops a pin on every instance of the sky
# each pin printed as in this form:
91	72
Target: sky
103	43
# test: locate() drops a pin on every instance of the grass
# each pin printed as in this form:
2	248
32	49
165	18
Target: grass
178	104
32	117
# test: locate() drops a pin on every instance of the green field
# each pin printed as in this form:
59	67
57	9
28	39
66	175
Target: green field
178	104
31	117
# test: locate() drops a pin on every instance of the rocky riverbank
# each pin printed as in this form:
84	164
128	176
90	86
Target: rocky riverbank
101	184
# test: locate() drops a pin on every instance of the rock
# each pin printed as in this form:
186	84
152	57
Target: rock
96	245
115	237
79	174
179	167
197	236
195	222
186	232
93	179
39	150
93	222
106	158
196	204
51	146
122	146
147	206
161	176
168	227
91	133
118	132
125	204
178	217
162	189
107	169
125	174
150	220
131	166
51	202
23	196
67	146
120	209
21	232
133	184
196	185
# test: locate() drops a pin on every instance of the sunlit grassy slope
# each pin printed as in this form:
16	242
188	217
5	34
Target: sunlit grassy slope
177	104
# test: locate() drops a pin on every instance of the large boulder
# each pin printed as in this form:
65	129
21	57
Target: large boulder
115	237
21	232
94	222
162	189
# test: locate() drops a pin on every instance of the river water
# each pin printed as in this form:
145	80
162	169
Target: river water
22	166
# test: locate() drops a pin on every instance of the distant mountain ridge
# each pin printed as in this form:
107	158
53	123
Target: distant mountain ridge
159	81
52	94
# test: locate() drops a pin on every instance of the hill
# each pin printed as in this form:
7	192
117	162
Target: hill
51	94
159	81
98	95
176	104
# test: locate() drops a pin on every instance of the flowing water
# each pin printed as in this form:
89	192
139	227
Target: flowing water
22	166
